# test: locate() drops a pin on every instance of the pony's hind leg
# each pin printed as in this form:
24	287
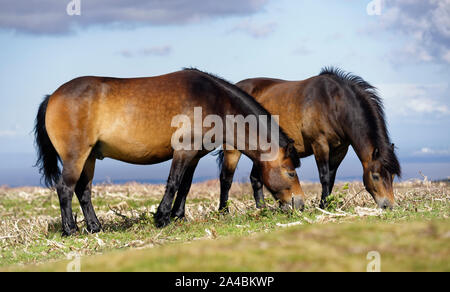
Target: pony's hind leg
180	163
83	190
65	194
65	189
73	164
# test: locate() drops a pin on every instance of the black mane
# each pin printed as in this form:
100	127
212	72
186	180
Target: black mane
375	116
257	109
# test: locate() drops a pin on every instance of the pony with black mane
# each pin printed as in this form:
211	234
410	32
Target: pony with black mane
251	107
325	115
131	120
375	116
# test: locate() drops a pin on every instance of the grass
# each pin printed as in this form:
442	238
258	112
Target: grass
331	247
414	236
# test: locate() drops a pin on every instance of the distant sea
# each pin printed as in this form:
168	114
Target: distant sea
17	170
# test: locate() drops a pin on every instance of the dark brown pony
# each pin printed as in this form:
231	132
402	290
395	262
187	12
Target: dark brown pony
325	115
91	118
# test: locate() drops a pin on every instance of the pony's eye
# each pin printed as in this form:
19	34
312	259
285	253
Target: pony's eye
292	174
376	176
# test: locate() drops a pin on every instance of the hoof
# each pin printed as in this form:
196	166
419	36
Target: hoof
162	220
69	231
224	210
323	205
179	219
260	205
260	202
94	227
176	216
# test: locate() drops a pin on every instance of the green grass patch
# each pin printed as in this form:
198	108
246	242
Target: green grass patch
413	246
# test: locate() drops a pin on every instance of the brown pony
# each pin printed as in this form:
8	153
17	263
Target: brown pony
325	115
91	118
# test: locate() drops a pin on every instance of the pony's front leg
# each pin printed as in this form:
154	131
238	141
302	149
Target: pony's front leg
229	164
322	155
257	185
178	210
180	163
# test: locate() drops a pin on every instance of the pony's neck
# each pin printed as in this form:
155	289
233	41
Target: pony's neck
363	146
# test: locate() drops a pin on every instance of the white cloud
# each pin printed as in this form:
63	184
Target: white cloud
256	30
12	131
50	17
414	99
159	51
427	106
425	24
302	50
446	56
7	133
432	152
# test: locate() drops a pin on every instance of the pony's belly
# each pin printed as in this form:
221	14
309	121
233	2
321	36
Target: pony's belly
139	142
135	152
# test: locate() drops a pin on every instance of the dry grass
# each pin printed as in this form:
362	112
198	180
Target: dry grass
30	225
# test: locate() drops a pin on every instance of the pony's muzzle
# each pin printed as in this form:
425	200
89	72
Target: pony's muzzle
298	203
385	204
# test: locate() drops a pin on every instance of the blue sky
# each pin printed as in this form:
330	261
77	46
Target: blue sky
405	52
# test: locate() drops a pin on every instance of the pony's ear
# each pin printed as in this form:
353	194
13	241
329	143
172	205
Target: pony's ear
289	149
376	154
291	153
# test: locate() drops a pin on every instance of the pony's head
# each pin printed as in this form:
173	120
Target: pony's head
370	135
379	175
280	178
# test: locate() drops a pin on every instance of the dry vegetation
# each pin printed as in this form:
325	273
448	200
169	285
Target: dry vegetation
30	222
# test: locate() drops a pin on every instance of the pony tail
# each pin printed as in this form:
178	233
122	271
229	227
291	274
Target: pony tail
47	160
220	158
